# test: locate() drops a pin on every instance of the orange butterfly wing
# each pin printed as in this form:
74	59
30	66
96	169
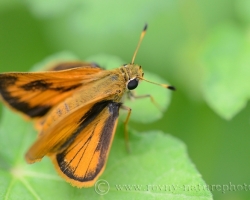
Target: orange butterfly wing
34	94
79	144
62	120
84	159
77	131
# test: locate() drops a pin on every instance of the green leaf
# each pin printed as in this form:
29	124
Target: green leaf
157	164
226	63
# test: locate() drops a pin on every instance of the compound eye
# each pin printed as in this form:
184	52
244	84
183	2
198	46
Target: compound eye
132	84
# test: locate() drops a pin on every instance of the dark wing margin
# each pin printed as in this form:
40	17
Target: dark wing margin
99	154
32	111
85	121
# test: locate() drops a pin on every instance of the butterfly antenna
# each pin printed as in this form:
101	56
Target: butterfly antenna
133	59
162	85
139	43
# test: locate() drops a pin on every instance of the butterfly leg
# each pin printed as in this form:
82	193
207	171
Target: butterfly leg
126	126
132	95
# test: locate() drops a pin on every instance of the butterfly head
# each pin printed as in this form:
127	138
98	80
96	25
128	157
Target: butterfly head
134	74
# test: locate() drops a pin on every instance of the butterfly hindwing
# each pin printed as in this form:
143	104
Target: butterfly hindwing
84	159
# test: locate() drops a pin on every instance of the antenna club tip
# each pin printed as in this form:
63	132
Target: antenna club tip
171	88
145	27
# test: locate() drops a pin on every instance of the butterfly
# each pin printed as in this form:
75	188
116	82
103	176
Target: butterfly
76	107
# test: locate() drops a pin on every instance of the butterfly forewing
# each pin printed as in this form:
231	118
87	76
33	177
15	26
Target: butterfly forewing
34	94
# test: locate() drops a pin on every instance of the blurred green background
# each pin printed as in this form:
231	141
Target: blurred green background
201	47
